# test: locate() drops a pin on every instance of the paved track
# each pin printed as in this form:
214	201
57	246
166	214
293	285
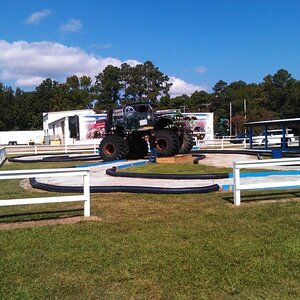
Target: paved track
98	177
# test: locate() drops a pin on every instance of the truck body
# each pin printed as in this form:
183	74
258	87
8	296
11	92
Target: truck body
127	128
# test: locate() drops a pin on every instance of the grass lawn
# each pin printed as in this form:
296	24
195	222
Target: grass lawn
153	247
181	168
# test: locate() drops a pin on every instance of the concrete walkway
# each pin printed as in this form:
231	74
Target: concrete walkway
98	176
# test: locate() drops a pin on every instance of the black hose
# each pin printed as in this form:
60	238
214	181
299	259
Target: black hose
286	153
125	189
112	172
199	157
53	158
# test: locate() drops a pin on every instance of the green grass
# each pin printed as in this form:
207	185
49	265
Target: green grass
180	168
154	247
184	168
40	165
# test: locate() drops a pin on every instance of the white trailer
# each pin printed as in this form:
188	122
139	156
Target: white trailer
75	127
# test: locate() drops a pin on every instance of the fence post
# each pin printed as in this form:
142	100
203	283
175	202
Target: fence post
222	144
86	192
66	148
35	149
94	148
236	182
2	156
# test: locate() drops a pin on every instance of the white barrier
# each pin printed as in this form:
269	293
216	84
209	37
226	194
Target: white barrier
220	143
40	149
2	155
260	164
232	142
67	172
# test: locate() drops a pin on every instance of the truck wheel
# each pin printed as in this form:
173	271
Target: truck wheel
113	147
138	148
187	143
167	142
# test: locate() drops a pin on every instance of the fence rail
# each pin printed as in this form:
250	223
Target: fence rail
217	143
67	172
233	142
40	149
238	165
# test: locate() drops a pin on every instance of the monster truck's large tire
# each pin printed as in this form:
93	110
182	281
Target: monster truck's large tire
187	143
113	147
138	148
167	143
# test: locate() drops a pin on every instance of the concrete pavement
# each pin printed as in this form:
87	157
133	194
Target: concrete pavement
98	177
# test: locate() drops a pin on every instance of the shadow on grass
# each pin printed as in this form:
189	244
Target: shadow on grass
38	216
266	196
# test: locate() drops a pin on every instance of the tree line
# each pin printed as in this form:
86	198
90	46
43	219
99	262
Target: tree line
277	96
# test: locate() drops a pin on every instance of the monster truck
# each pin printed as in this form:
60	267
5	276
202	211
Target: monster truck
126	129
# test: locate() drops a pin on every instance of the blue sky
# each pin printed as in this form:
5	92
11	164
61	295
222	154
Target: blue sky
196	43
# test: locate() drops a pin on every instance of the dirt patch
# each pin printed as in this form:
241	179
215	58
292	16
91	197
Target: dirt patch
25	184
224	160
180	158
59	221
215	159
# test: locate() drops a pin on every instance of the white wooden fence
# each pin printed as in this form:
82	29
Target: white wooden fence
2	155
238	165
221	143
66	172
40	149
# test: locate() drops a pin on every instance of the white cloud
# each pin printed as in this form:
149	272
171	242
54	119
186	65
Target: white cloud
28	64
101	46
74	25
132	62
32	81
200	69
180	87
38	16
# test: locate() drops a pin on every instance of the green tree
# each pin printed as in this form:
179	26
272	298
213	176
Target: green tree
279	87
26	114
292	105
180	102
219	87
200	101
7	111
107	88
45	93
144	82
141	83
78	92
154	82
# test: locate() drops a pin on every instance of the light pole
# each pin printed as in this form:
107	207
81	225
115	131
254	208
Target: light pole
230	116
245	113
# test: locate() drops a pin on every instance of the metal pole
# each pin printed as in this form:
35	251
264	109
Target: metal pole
230	115
245	109
245	112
